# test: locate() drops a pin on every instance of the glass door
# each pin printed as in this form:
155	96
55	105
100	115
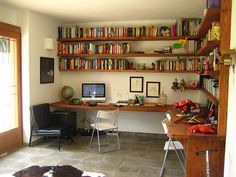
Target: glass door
10	89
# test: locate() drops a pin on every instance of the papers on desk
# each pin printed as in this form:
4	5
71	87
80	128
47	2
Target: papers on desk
122	103
103	103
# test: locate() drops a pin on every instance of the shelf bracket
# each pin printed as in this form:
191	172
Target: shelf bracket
228	57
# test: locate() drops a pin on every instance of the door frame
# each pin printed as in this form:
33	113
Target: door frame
13	139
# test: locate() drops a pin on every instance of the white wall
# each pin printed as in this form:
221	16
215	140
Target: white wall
117	84
230	151
7	14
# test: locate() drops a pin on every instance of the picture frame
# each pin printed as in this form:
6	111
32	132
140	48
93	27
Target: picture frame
46	70
136	84
153	89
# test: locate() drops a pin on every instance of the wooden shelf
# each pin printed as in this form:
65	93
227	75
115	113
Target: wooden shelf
210	97
191	88
141	71
208	47
148	38
213	74
127	55
141	108
212	14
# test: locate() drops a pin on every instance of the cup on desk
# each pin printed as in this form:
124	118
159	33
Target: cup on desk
131	101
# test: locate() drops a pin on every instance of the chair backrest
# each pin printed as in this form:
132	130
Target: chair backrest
108	115
164	123
39	116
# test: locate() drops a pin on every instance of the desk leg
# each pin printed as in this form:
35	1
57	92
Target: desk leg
196	164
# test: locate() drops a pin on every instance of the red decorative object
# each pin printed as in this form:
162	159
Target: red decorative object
204	128
186	106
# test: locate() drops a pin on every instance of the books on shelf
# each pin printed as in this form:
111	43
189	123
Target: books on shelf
92	48
187	26
124	64
94	64
190	64
183	27
211	85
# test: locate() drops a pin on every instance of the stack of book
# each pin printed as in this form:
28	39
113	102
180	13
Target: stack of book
187	26
183	27
211	85
94	64
92	48
179	64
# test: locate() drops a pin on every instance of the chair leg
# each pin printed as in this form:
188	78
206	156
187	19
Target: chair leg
59	144
30	140
164	161
91	139
181	163
99	146
118	141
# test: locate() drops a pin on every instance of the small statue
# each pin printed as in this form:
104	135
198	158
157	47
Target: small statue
175	85
182	85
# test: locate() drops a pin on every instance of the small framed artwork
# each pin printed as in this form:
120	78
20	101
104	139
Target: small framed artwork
153	89
136	84
46	70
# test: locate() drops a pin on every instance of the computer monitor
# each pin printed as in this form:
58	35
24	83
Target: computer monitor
93	92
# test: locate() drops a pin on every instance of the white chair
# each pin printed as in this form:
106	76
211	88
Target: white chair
172	145
106	121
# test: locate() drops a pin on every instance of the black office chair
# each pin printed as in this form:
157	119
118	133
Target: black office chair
43	123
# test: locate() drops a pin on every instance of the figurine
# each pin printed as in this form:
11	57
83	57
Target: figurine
175	85
182	85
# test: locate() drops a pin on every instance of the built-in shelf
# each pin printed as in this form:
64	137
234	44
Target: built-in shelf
208	47
210	97
128	55
144	71
190	88
212	14
148	38
213	74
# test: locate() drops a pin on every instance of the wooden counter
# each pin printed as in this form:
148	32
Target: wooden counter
194	142
141	108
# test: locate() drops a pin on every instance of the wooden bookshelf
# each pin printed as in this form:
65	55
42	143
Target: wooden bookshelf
213	74
141	71
210	97
212	14
148	38
208	47
129	55
191	88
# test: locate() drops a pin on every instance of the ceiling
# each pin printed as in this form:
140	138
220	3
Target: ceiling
69	11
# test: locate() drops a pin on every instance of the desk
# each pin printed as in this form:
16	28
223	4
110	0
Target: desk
195	165
141	108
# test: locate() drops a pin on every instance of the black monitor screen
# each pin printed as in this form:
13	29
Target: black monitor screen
93	90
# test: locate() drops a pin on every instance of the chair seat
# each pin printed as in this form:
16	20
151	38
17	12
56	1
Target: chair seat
103	126
55	130
178	145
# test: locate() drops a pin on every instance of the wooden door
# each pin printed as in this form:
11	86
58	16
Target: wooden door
10	88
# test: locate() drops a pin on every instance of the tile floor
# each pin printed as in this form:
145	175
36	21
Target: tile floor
141	155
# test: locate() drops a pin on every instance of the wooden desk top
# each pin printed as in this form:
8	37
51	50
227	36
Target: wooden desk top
141	108
177	128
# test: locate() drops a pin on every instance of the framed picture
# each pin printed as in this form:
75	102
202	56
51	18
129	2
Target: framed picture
136	84
153	89
46	70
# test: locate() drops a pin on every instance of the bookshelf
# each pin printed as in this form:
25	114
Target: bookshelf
208	47
140	71
129	55
147	38
212	14
210	97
